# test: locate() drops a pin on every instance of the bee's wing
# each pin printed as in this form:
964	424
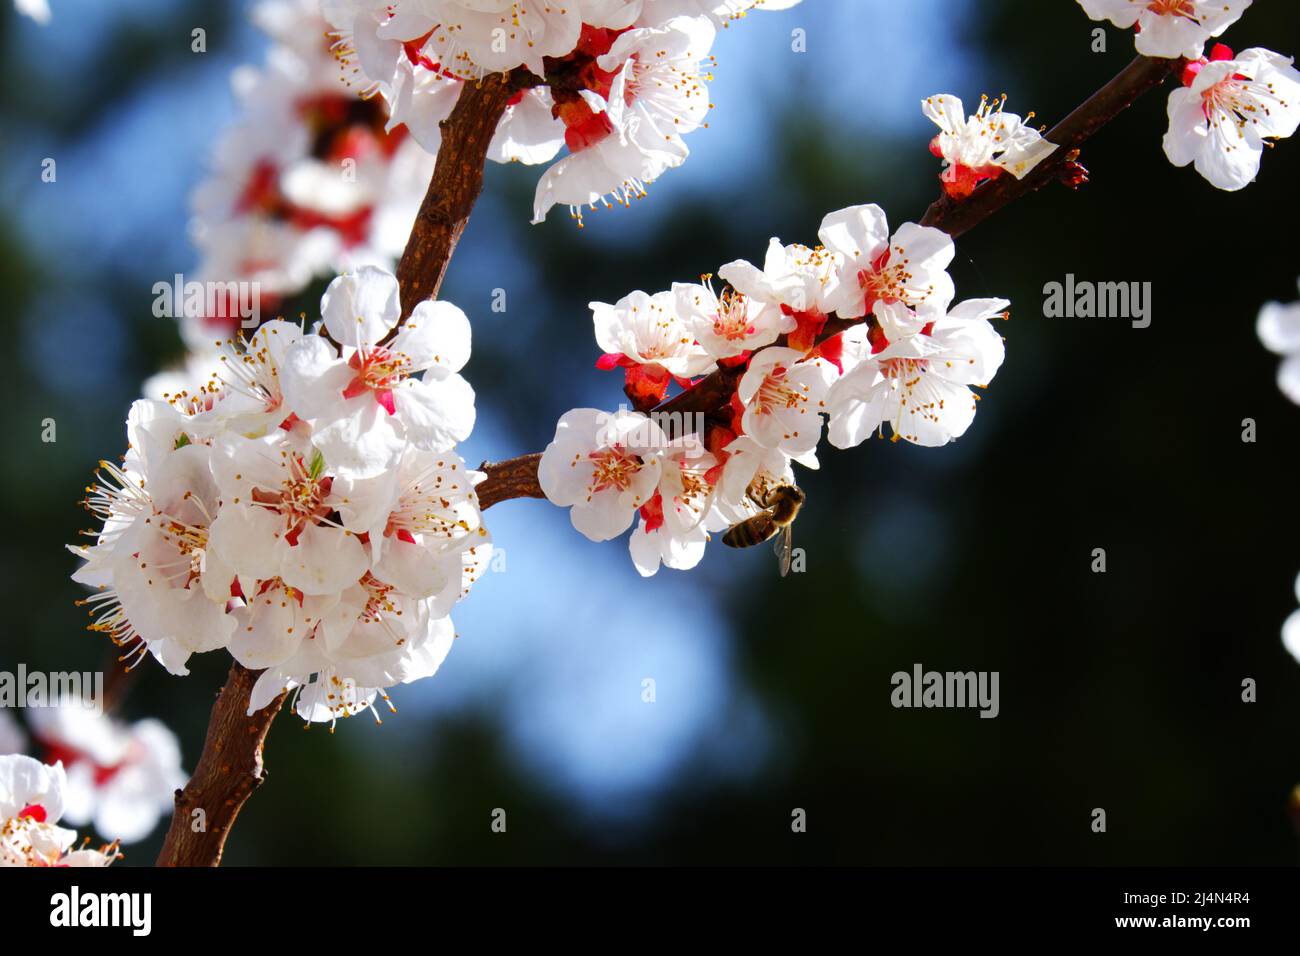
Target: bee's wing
783	546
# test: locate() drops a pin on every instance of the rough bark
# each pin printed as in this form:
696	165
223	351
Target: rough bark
455	186
228	772
512	478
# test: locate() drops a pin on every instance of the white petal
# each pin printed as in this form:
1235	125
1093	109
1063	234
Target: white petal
324	561
1186	135
436	336
244	537
1230	161
857	232
25	781
313	378
363	443
438	413
603	518
413	569
360	308
270	630
644	549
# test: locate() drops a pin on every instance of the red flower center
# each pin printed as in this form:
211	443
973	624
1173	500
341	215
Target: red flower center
378	370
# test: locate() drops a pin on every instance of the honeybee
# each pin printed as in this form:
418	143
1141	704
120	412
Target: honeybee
780	506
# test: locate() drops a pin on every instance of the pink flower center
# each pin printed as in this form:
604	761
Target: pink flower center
378	370
883	282
696	487
612	468
301	500
731	321
777	393
1231	96
33	811
1174	8
904	371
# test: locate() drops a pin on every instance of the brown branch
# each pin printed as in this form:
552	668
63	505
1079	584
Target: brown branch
455	186
229	770
517	478
707	395
512	478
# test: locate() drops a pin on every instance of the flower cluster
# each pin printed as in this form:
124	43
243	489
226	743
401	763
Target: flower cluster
32	799
860	329
617	82
312	180
305	510
120	777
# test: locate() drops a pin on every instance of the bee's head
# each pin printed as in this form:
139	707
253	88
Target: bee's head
787	494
